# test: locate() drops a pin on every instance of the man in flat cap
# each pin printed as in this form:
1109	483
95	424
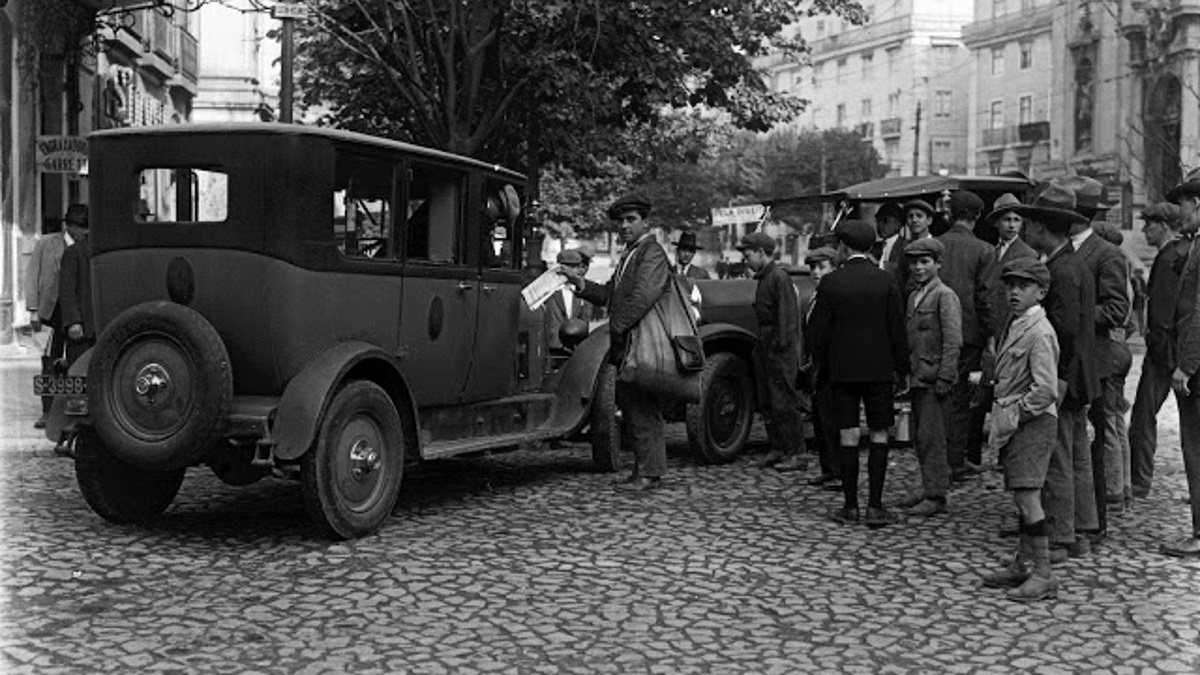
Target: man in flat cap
919	216
1113	305
776	353
1184	382
967	268
639	281
821	261
1162	232
862	351
1070	306
566	304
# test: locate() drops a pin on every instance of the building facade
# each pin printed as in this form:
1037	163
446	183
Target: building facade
900	80
239	62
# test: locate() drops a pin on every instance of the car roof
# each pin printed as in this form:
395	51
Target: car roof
907	187
280	129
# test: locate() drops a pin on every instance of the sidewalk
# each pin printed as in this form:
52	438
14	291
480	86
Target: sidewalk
25	345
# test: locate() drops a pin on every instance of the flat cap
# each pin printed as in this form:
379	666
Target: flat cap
889	210
857	234
570	256
818	254
919	204
1027	268
1164	211
929	246
758	240
634	201
965	204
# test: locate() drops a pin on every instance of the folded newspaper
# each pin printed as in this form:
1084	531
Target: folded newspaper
540	289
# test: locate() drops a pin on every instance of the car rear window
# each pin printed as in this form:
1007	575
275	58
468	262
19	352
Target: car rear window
182	195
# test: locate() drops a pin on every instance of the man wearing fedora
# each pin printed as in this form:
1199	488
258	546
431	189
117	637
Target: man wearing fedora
888	250
639	281
1070	306
1009	247
41	293
1184	382
1113	306
685	254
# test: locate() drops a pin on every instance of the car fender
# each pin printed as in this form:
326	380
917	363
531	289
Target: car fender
577	385
58	422
306	396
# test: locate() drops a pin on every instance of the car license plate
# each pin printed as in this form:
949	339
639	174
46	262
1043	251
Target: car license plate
59	385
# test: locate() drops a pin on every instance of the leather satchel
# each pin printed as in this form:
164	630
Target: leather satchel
665	354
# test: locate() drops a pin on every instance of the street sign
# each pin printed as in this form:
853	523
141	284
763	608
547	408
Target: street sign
734	215
62	154
289	11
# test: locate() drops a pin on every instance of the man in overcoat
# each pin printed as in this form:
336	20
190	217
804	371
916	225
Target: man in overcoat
75	290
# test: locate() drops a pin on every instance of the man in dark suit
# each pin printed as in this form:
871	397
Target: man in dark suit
75	290
888	250
685	254
566	303
1010	247
1070	306
968	269
1162	232
639	281
1113	305
861	349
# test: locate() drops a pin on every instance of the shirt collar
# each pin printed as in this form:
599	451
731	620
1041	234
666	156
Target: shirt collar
1078	239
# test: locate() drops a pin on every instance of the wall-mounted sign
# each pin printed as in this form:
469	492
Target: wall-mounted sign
289	11
734	215
62	154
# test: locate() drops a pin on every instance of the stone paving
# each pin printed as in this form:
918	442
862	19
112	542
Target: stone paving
527	563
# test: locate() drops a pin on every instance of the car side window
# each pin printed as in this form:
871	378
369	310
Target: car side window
362	207
434	213
499	225
182	195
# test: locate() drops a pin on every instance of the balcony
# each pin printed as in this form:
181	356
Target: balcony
1020	134
1033	132
889	127
993	137
159	52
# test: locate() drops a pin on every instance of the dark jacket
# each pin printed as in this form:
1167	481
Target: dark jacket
1187	314
1017	250
777	310
75	287
967	268
1110	272
557	314
694	271
638	282
858	325
1071	306
896	264
934	335
1162	293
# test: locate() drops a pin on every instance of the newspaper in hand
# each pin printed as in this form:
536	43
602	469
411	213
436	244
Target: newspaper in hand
540	289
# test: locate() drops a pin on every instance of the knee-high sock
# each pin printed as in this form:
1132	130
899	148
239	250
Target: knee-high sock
876	472
848	459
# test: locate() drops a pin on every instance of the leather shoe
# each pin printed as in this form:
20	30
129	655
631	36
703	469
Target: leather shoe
1036	587
1080	548
929	507
792	464
879	517
845	516
1188	547
1058	554
626	480
822	479
40	423
640	485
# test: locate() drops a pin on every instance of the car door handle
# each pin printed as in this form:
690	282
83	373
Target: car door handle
488	289
464	286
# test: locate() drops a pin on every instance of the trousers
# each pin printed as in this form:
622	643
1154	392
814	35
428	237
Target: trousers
1153	388
1189	439
1067	496
58	342
643	429
929	422
780	402
964	424
825	430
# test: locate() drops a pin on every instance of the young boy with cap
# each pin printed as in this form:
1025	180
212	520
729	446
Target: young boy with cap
934	323
776	352
821	262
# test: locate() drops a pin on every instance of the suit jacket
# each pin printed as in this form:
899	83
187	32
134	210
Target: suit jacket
895	264
1015	251
639	281
557	314
1187	314
858	325
42	275
967	268
1107	265
1070	304
1162	291
934	324
75	287
1026	364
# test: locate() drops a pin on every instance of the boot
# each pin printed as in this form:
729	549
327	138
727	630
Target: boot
1041	584
1017	570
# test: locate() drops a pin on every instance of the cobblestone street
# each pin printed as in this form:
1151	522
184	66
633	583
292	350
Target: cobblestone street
527	563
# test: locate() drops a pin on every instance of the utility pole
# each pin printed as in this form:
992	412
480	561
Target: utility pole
288	13
917	143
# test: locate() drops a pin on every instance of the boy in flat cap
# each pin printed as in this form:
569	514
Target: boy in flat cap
919	216
861	349
934	323
1070	307
1023	422
639	281
566	304
821	262
967	268
776	353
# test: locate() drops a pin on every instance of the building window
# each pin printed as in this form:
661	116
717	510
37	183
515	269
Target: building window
866	109
943	100
818	70
1026	54
1084	101
893	103
841	69
893	59
999	7
996	115
997	60
841	114
868	63
891	150
1025	110
943	154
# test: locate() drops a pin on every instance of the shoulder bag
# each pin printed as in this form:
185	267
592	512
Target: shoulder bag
665	355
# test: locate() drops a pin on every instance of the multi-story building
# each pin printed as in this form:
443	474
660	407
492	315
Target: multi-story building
900	80
241	73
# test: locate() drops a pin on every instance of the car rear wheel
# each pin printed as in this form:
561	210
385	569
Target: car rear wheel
116	491
351	478
719	425
605	423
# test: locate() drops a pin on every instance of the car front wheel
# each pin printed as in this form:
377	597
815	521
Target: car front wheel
605	423
719	425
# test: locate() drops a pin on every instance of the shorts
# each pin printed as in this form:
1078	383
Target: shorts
877	398
1027	453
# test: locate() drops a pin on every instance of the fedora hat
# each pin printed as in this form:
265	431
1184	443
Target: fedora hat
1054	205
688	240
1090	194
1190	187
1003	204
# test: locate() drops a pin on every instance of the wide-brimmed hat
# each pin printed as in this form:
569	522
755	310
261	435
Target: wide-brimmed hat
688	240
1190	187
919	204
1090	194
1054	205
1003	204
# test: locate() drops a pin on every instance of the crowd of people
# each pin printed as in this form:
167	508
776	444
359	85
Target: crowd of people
1018	347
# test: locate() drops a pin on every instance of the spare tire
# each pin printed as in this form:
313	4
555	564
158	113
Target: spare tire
159	386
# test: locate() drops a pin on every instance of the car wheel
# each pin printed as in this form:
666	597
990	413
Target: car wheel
159	386
605	423
719	425
116	491
351	477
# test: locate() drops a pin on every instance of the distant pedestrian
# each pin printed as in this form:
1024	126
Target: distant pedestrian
41	294
75	286
934	325
821	262
776	353
861	347
1024	420
685	256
